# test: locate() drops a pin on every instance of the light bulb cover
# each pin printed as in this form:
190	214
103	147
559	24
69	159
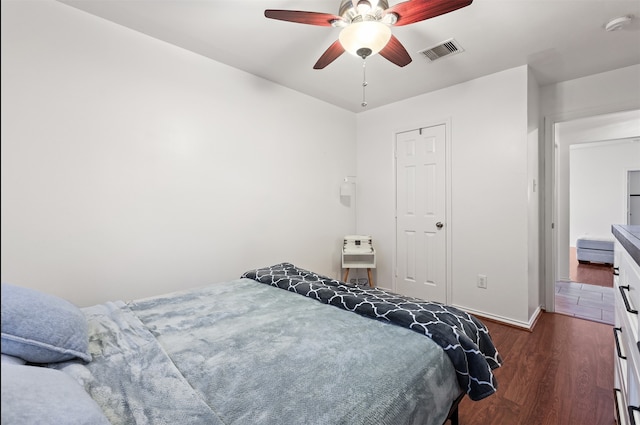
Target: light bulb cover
618	23
371	35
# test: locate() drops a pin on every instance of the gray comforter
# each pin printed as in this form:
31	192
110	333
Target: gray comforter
242	352
463	337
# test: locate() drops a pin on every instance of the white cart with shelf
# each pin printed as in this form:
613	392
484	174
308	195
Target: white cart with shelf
358	253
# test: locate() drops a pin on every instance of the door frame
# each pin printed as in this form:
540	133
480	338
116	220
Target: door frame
448	222
550	235
629	194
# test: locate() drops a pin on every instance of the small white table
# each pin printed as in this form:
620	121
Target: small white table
359	260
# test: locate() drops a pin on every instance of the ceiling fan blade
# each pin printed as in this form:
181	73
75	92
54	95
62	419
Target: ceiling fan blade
331	54
310	18
395	52
412	11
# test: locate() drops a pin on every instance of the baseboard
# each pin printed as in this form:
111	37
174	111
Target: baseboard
527	326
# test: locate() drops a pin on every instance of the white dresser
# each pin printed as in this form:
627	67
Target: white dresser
627	341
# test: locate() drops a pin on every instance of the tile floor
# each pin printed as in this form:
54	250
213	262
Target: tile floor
585	301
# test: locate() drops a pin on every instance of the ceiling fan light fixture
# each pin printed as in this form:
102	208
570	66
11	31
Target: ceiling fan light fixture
372	35
366	26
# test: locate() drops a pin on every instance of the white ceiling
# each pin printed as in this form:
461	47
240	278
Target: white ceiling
559	39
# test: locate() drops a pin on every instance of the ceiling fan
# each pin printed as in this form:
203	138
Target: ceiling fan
366	25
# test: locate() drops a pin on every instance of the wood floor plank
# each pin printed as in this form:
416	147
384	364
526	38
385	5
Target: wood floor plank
559	374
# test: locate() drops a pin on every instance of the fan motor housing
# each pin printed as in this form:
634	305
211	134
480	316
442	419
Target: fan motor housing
348	11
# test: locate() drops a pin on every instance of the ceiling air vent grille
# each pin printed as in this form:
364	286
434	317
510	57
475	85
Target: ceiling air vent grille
446	48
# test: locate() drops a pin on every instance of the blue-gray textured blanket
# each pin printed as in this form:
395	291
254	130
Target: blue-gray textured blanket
241	352
463	337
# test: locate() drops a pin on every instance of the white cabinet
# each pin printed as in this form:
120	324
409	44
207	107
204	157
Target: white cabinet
627	342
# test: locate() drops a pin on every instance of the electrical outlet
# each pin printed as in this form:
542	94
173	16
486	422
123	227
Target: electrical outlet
482	281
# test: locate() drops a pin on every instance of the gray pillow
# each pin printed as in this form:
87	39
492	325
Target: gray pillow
38	395
42	328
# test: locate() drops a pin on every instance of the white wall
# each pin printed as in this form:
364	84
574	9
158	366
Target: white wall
131	167
488	220
597	94
598	186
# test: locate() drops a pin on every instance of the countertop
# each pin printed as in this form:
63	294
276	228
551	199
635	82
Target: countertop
629	237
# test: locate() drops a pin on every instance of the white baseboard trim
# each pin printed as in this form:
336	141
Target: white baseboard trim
496	318
501	319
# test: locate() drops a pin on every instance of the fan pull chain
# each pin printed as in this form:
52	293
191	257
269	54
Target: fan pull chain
364	82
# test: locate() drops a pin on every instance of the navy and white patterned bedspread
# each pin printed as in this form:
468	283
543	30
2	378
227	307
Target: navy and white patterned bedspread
464	338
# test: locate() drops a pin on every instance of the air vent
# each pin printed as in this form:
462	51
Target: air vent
446	48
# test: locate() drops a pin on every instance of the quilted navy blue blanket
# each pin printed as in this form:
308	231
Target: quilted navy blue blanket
464	338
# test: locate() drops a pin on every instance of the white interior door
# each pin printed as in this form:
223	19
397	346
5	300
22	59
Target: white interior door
420	213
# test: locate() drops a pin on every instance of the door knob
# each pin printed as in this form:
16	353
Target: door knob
439	225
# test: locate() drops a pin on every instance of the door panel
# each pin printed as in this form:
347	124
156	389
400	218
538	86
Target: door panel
420	205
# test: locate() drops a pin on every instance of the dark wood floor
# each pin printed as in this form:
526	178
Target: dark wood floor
559	374
591	273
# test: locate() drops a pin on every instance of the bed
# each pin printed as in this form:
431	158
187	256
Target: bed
279	345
